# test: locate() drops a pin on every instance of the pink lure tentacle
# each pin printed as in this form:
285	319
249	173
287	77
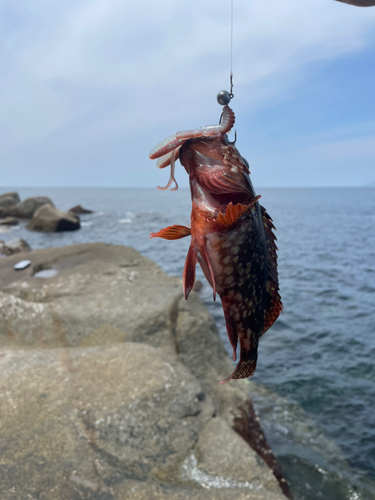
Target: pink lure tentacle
172	161
165	160
166	146
176	140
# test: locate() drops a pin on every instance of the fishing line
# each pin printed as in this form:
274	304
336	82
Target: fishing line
231	50
224	97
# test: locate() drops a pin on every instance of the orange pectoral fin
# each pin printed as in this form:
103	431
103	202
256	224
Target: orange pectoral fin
234	212
188	276
172	233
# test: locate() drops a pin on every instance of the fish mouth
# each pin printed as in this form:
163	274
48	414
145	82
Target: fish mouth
223	199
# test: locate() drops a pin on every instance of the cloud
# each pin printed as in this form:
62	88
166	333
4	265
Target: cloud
86	81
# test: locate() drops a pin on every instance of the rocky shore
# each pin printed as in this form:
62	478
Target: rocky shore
109	387
39	212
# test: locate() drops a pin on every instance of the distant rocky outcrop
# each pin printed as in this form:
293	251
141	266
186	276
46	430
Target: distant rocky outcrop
79	210
28	208
110	387
9	199
14	246
8	203
49	219
11	206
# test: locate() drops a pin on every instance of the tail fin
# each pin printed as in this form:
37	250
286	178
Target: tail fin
246	366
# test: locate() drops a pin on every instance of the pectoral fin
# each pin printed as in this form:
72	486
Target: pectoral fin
172	233
234	212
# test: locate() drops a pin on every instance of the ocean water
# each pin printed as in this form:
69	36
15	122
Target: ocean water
315	380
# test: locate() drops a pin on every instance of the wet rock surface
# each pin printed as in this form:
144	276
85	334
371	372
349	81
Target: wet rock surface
109	386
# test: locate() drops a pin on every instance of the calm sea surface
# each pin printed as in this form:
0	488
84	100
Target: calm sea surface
315	381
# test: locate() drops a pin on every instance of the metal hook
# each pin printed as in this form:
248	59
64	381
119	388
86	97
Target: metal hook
235	138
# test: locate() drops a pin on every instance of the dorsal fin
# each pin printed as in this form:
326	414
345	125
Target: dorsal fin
234	212
273	282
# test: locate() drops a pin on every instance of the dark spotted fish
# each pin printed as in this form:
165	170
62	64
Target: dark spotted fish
231	235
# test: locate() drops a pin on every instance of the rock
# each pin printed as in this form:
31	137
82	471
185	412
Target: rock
9	199
110	381
27	208
137	490
63	410
108	279
14	246
8	203
221	456
9	221
49	219
78	210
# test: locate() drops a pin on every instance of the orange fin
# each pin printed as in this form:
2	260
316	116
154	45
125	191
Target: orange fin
246	366
188	276
172	233
234	212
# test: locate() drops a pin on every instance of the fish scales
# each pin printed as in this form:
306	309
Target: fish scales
232	239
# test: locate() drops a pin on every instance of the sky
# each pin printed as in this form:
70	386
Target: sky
89	87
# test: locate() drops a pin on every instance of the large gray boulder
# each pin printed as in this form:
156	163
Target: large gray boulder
110	386
49	219
27	208
9	199
8	203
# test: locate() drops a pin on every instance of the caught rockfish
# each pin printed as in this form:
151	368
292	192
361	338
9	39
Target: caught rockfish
231	234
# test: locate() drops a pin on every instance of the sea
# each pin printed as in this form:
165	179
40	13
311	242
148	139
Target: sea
314	387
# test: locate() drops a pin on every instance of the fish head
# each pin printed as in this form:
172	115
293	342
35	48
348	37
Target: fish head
218	173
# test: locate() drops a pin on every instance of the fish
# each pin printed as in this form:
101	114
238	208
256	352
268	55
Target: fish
232	235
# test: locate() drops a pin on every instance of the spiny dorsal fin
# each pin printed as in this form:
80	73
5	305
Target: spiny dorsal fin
276	305
234	212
